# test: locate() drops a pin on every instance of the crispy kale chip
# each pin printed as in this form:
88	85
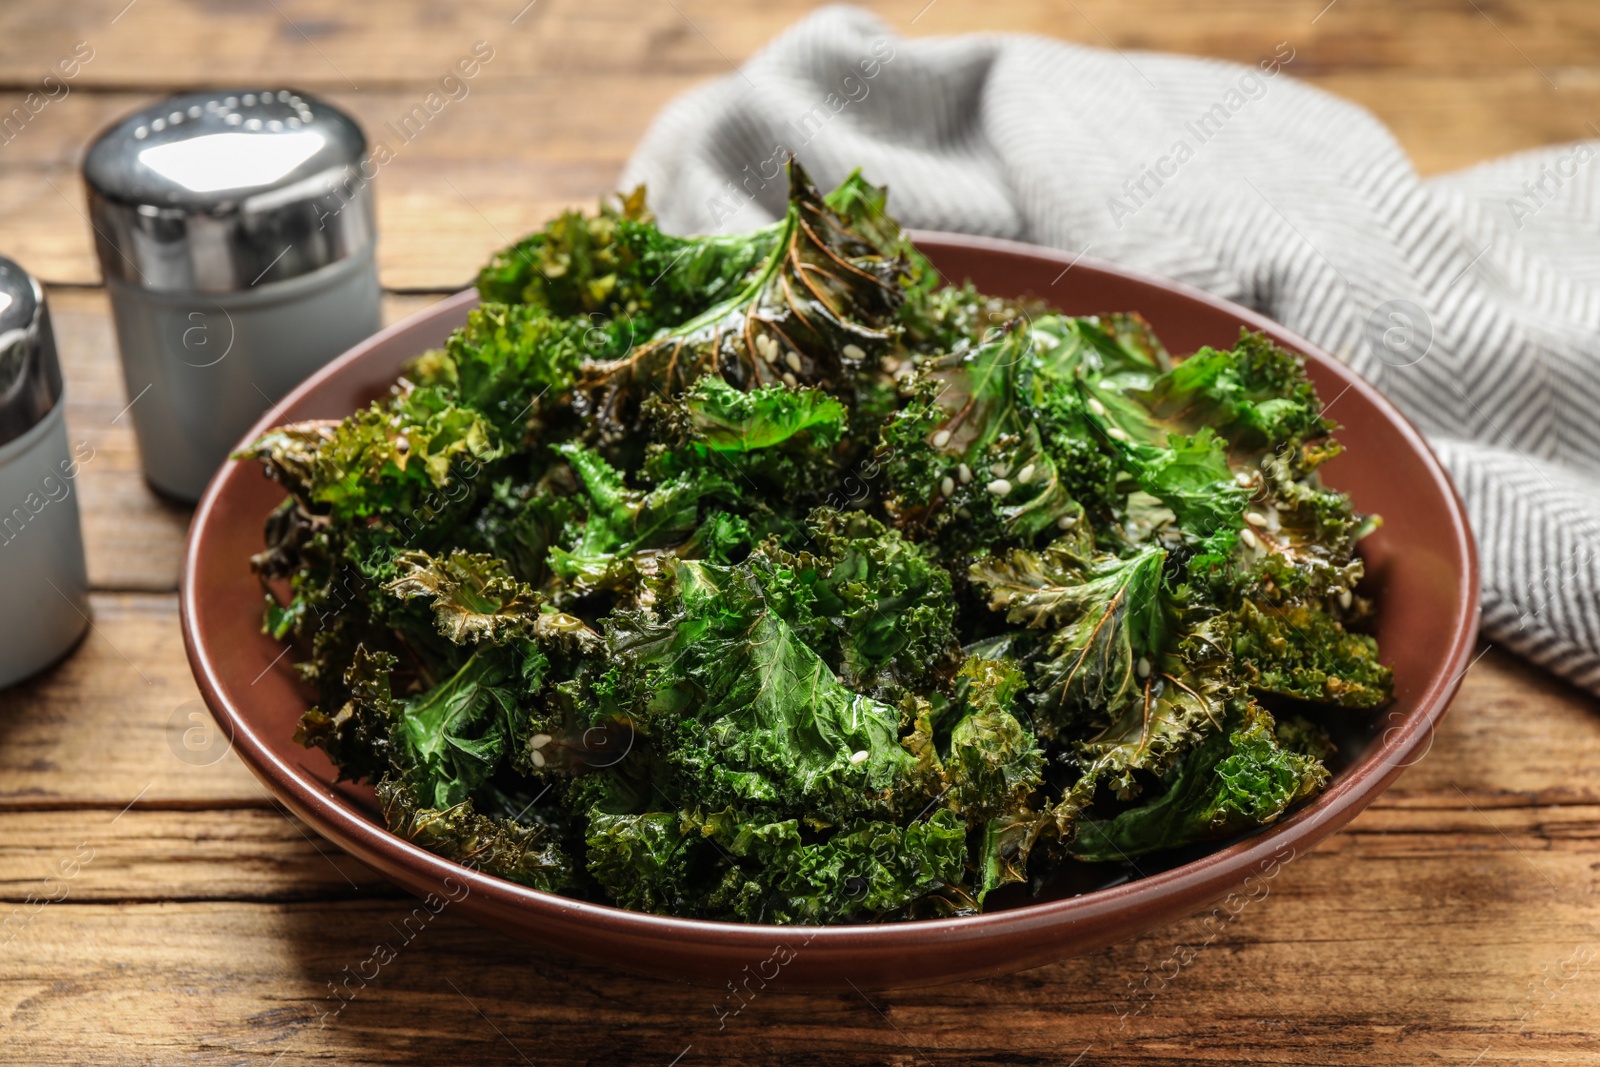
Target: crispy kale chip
616	266
749	713
818	309
720	418
520	852
386	460
769	577
1234	780
1106	617
513	361
875	606
1303	652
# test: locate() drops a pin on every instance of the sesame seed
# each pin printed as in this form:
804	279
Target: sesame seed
999	470
964	472
964	513
1244	478
1025	475
1143	667
537	758
1118	433
948	486
1255	518
790	380
1248	536
769	354
1097	407
999	487
854	352
941	438
538	740
1345	599
793	359
859	756
1067	522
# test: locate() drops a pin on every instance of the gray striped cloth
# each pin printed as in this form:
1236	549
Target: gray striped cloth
1471	299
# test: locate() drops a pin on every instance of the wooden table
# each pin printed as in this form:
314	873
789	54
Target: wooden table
1455	922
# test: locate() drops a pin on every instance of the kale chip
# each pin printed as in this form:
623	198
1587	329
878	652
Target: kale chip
768	577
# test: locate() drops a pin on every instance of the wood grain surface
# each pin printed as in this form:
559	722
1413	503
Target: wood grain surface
157	906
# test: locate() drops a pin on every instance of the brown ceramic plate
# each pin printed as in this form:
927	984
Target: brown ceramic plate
1421	565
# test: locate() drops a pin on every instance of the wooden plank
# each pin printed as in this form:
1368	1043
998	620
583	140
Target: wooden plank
367	44
107	725
1499	962
259	854
479	175
1514	735
1447	125
371	43
522	144
501	164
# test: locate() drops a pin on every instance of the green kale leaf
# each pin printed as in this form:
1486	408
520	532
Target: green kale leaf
1235	780
740	706
1109	618
1301	651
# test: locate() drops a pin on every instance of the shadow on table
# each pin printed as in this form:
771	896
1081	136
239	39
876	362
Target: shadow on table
382	980
379	979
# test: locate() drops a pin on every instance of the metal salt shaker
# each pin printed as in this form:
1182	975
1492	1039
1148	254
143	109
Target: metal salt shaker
235	231
43	580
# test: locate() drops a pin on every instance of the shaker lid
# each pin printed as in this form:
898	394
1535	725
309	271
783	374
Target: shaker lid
30	374
219	191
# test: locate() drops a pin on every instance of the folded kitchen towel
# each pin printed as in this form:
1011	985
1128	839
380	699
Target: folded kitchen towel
1472	300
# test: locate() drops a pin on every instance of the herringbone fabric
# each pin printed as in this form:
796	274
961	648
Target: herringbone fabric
1472	300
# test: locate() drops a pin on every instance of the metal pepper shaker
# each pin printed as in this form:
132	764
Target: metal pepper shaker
43	579
235	231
